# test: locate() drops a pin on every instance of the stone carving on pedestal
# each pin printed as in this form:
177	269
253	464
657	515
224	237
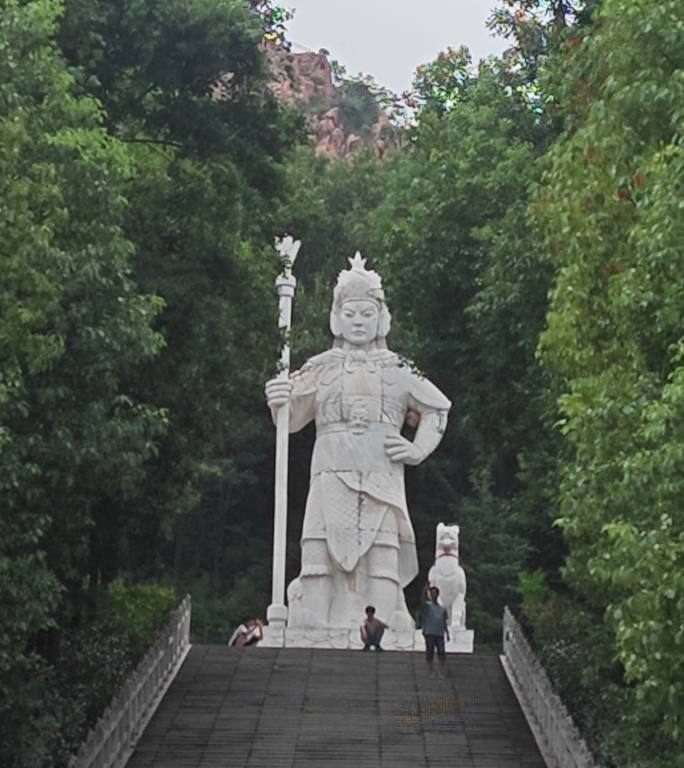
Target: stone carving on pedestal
358	545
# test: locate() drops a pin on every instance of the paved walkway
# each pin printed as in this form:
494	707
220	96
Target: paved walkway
295	708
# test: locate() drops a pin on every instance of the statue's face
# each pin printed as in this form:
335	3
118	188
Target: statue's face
359	321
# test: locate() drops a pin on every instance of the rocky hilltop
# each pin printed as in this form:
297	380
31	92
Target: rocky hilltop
342	119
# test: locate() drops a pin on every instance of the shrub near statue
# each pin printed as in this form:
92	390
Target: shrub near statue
358	544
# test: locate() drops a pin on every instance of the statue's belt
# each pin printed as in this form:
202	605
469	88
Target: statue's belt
346	447
353	428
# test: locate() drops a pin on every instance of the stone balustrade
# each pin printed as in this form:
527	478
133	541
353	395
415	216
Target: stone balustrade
557	737
111	741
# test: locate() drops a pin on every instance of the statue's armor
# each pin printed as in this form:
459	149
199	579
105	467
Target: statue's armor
356	509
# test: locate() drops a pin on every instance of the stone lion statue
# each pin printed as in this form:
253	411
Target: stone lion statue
448	576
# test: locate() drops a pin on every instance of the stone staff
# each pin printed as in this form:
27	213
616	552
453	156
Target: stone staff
285	286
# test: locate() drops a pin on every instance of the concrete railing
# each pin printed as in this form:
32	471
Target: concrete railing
111	741
557	737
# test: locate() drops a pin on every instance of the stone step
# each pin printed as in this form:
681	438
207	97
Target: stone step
303	708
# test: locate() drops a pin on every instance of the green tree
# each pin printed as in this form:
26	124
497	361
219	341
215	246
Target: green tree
609	207
73	327
453	242
185	87
183	75
441	84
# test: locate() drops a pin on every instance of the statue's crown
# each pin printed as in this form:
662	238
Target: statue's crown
358	283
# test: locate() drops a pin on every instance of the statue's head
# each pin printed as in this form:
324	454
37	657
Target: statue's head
447	539
359	315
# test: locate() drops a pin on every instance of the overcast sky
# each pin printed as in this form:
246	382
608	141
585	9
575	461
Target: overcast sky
390	38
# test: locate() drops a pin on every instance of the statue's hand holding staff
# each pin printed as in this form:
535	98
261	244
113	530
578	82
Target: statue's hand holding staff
277	393
400	449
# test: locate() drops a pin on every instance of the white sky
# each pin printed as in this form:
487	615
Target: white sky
390	38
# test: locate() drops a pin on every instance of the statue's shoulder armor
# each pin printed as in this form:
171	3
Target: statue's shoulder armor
388	359
400	371
329	357
309	373
421	389
426	393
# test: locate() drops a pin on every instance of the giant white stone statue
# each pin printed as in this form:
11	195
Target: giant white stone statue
357	545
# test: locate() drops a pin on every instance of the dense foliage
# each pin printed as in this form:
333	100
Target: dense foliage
610	208
136	209
73	324
528	229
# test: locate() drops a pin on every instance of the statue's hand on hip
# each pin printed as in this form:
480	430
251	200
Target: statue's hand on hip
277	393
400	449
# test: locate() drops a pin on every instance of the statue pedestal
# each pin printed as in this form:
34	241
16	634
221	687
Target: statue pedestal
461	641
344	638
308	637
273	636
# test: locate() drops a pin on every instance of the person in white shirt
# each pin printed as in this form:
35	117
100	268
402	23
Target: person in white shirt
249	632
372	630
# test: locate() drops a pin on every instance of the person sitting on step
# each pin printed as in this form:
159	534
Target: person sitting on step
372	630
249	632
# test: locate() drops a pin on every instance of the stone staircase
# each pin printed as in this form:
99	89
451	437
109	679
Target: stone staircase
299	708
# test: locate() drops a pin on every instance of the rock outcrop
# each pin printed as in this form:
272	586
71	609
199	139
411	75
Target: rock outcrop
300	77
306	80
